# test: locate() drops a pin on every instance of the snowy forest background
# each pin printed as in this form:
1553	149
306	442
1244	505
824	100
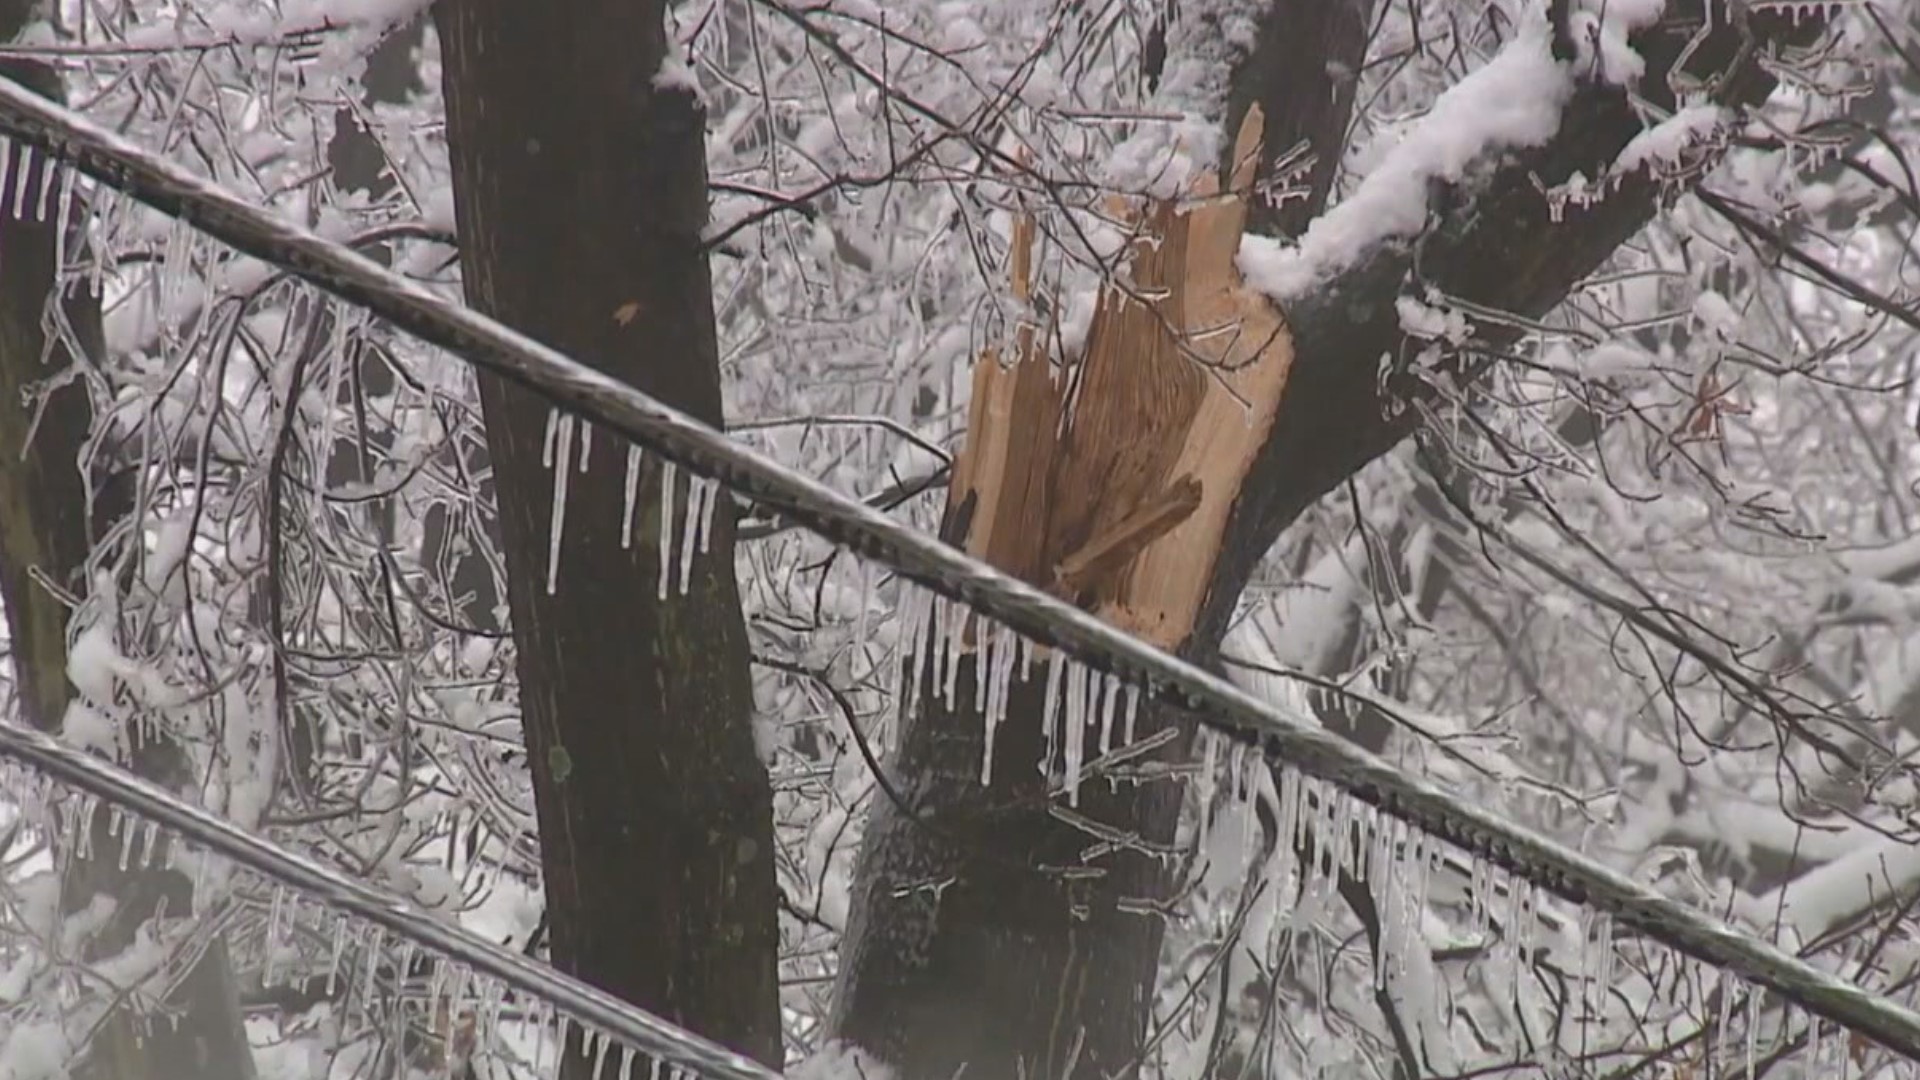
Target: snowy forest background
1641	575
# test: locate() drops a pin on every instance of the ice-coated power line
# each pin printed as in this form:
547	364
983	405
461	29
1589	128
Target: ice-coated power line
634	1026
487	344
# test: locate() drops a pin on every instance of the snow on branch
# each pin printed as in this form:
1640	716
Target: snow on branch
1287	740
1512	102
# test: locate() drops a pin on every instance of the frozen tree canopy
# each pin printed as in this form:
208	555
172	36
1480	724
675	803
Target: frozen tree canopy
1514	395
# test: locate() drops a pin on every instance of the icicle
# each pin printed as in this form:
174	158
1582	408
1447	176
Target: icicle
666	525
1367	863
339	950
1210	749
586	445
709	508
22	169
1508	947
46	190
937	646
1603	944
1056	663
1076	728
922	611
957	615
1109	702
633	491
173	276
1288	828
1003	645
535	1011
587	1043
996	656
982	666
562	1028
626	1062
273	934
1392	902
655	1073
559	457
1753	1028
601	1042
370	964
699	490
1812	1049
437	985
149	836
1342	838
125	822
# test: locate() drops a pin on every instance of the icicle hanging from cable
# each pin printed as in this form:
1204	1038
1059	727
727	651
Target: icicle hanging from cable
351	910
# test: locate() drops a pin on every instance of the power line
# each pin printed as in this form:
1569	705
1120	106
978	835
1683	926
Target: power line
172	190
638	1028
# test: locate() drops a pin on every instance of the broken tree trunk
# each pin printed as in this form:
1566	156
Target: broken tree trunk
993	930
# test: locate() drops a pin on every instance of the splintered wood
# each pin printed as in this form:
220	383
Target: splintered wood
1107	479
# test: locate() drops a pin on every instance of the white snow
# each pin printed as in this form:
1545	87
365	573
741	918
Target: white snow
674	74
1664	142
1817	901
1162	159
1512	102
839	1060
1600	28
37	1050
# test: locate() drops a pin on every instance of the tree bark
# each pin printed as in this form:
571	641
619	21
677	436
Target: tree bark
47	530
964	949
580	189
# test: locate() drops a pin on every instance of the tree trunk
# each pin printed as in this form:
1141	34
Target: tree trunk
989	931
45	531
580	188
959	951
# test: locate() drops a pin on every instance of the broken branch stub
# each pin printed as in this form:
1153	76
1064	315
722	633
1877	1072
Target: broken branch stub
1107	478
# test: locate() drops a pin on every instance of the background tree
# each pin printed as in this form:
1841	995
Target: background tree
50	338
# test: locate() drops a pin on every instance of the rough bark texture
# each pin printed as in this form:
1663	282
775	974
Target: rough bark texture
45	531
960	952
580	190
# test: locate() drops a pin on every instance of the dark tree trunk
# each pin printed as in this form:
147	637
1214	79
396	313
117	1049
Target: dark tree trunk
959	953
47	528
580	189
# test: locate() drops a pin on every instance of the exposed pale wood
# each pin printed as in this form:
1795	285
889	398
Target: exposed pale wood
1108	478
